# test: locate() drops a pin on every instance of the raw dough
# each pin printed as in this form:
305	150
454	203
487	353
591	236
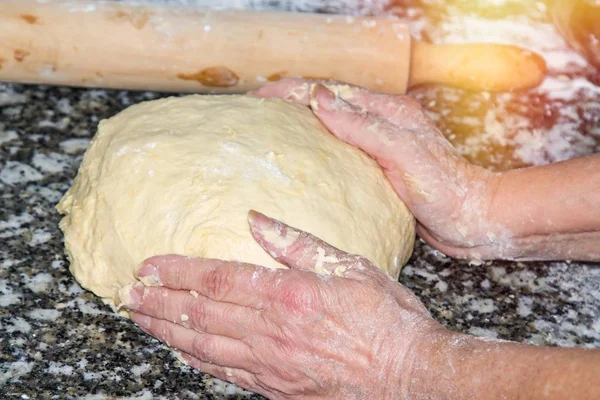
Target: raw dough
179	175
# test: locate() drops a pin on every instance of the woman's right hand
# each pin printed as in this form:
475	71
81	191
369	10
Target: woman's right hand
449	197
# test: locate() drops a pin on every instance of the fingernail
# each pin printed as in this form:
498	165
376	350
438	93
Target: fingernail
259	221
278	234
148	275
131	295
321	98
143	321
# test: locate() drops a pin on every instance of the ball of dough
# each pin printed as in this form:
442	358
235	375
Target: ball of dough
178	175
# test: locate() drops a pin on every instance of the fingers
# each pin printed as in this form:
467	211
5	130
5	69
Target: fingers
204	346
290	89
400	110
239	377
370	133
192	310
301	250
238	283
298	90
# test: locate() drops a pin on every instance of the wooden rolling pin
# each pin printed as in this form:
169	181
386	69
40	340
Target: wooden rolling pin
186	49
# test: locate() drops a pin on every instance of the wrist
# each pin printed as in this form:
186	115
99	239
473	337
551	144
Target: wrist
548	212
554	199
448	366
459	366
415	369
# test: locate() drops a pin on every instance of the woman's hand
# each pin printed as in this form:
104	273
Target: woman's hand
350	332
548	212
449	196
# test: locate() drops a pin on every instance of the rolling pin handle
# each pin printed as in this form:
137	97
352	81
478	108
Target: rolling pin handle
481	66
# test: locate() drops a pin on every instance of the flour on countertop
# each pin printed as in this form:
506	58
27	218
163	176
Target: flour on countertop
9	97
7	136
567	100
17	172
513	289
14	370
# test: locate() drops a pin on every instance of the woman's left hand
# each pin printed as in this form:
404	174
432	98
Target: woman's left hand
350	331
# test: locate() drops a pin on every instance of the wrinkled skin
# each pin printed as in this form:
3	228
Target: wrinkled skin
449	197
349	332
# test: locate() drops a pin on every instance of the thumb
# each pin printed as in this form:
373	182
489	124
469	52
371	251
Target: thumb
298	249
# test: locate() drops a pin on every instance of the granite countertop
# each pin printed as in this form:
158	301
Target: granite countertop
59	341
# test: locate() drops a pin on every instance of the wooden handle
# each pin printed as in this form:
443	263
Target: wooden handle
133	46
490	67
155	47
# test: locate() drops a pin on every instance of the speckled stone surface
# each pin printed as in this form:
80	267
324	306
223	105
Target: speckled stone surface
59	341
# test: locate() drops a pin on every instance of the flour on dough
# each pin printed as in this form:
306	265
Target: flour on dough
179	175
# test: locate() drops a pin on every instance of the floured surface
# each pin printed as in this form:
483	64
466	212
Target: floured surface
554	122
179	175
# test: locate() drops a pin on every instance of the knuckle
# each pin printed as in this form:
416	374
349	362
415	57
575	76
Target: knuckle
376	276
203	347
161	303
364	119
218	283
370	295
200	315
408	101
300	296
301	247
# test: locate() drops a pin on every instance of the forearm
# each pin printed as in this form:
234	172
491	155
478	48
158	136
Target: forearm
549	212
465	367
